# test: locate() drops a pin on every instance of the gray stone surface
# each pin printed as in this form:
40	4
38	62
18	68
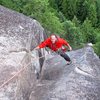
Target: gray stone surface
78	81
17	32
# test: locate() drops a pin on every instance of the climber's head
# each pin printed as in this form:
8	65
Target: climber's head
53	38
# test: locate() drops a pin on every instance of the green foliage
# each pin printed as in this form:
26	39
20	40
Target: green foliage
97	48
97	45
98	12
76	21
53	3
69	8
88	31
53	24
61	16
8	3
35	7
92	14
59	4
73	33
81	10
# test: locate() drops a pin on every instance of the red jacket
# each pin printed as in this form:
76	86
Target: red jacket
57	45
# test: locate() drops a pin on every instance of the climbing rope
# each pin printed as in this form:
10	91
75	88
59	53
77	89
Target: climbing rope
22	69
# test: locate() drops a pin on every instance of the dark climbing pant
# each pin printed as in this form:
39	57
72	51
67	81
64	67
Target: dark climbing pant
65	56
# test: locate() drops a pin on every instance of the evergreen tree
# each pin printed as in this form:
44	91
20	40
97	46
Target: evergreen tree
88	31
97	44
82	10
76	21
53	4
92	14
98	12
73	33
8	3
69	8
53	24
59	4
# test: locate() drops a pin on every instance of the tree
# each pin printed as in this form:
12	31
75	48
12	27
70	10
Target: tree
59	4
52	22
97	44
88	31
92	14
76	21
69	8
8	3
82	10
73	33
98	12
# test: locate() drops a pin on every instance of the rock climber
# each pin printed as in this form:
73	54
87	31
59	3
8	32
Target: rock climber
58	45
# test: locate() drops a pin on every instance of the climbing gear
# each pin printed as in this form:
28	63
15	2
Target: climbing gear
59	51
19	72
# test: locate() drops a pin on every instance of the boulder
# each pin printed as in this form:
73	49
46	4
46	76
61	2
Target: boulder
77	81
18	32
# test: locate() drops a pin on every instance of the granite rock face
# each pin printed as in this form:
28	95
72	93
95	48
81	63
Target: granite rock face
77	81
17	32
